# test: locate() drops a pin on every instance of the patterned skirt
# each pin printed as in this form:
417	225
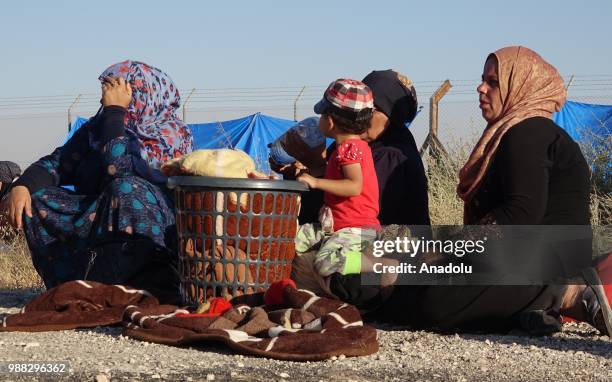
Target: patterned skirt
65	225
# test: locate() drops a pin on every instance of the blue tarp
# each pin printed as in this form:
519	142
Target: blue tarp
590	125
585	122
78	122
250	134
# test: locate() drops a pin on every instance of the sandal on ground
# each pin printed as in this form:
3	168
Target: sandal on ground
595	303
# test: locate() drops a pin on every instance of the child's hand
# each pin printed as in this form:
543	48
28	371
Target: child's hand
116	92
309	180
289	171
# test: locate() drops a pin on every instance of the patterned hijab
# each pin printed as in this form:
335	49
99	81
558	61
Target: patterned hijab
529	87
152	115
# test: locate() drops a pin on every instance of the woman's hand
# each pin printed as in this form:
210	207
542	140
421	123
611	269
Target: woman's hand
19	201
116	92
309	180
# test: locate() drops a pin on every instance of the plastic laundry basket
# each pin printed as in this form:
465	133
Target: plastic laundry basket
236	236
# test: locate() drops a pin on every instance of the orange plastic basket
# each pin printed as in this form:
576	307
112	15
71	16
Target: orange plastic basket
236	236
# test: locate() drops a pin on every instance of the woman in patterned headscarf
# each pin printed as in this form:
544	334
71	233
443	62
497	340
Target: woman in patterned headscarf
524	170
120	215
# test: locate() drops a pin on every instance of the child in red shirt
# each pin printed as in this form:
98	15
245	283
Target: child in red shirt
349	220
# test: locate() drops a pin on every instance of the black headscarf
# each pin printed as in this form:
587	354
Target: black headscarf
394	95
8	172
399	168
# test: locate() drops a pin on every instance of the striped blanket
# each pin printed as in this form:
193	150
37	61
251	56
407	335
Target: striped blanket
284	323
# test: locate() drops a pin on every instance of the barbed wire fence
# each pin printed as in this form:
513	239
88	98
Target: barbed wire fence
457	114
460	117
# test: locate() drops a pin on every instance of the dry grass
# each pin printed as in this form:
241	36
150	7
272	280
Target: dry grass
445	207
16	269
598	153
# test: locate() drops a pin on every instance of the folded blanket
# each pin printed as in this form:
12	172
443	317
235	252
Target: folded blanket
285	323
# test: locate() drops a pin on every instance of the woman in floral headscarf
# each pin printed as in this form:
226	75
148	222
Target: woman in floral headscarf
120	217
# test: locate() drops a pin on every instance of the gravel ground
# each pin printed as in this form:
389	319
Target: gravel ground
103	354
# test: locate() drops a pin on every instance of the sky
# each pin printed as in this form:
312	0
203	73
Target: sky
54	50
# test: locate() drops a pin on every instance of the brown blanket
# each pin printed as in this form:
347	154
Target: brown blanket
297	326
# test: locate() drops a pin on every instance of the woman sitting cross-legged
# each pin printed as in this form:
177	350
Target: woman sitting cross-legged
118	226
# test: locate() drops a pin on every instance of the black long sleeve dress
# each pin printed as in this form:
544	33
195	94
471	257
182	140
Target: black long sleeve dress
538	176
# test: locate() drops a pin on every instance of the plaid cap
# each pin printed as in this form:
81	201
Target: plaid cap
348	96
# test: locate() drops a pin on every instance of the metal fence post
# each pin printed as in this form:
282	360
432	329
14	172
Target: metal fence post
569	83
185	104
432	142
296	101
76	100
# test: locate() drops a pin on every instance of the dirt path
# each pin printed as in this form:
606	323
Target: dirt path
576	354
